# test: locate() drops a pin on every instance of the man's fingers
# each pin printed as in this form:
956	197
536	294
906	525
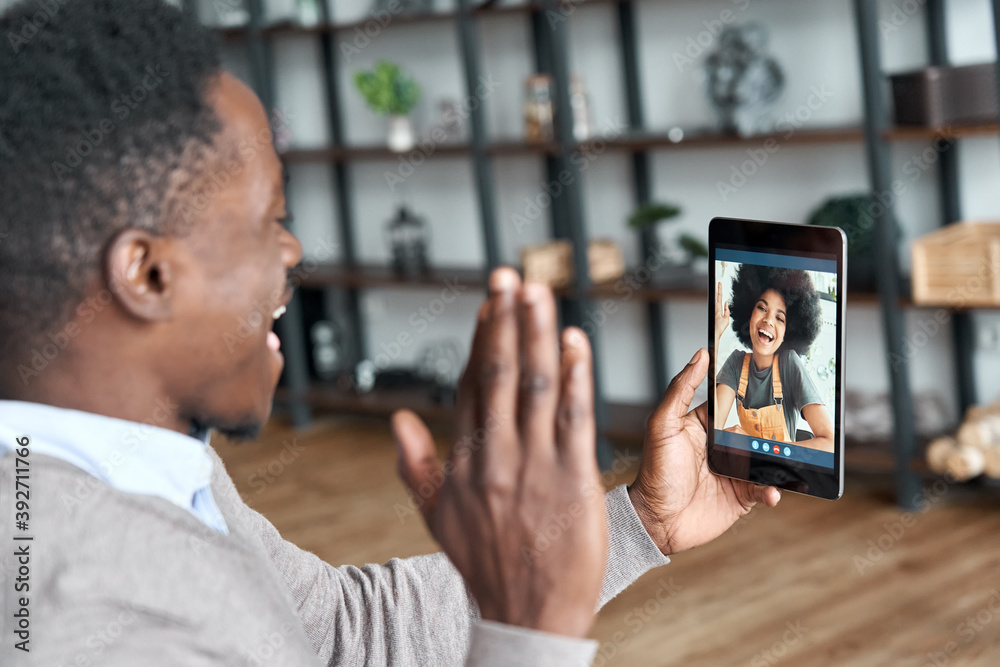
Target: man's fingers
750	494
497	372
701	413
576	432
539	373
677	401
418	463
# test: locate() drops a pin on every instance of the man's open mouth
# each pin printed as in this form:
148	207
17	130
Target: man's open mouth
273	342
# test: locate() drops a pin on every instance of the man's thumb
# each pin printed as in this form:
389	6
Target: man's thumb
418	463
677	401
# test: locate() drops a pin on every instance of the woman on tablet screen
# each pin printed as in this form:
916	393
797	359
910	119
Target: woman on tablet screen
776	315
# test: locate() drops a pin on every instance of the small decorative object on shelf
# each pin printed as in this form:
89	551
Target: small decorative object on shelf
328	349
552	263
743	80
390	92
441	363
409	238
538	109
958	266
974	450
231	13
451	122
309	13
942	96
853	214
581	108
682	258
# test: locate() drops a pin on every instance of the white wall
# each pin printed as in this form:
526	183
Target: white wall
815	43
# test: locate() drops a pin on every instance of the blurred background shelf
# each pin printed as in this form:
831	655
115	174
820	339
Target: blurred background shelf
648	159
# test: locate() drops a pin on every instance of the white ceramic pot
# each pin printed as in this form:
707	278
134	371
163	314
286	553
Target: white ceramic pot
400	134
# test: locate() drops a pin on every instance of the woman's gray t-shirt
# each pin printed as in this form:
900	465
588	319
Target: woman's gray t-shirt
797	385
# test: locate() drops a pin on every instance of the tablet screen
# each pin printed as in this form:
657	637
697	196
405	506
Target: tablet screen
776	315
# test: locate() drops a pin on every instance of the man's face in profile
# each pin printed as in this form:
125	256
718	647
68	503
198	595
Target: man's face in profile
231	271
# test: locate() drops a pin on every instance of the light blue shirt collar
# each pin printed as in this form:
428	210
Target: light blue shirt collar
129	456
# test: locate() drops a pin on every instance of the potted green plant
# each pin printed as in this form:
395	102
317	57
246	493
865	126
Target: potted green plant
854	214
390	92
686	251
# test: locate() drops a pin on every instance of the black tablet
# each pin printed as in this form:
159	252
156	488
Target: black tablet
776	338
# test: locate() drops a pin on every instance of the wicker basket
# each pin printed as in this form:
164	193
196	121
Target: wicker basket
552	263
958	266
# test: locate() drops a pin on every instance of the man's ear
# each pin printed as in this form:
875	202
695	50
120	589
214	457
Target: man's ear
140	276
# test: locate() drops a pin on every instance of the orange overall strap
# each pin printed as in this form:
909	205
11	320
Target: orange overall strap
744	377
776	381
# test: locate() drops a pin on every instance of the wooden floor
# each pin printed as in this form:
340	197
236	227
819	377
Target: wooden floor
811	582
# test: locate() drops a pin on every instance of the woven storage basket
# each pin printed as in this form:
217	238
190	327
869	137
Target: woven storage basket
552	263
958	266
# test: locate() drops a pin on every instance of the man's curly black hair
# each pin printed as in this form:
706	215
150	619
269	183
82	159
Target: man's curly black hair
104	123
802	313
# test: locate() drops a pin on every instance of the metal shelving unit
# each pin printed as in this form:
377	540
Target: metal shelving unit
567	215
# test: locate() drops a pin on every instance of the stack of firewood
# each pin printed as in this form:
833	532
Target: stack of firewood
975	448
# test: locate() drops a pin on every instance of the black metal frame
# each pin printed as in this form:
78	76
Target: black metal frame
642	177
876	122
963	332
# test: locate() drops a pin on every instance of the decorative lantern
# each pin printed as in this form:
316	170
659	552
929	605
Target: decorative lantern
409	237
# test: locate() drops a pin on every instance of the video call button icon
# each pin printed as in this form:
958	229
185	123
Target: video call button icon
788	451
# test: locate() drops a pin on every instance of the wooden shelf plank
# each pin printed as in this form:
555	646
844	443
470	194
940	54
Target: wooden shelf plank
379	276
904	133
520	147
382	152
711	139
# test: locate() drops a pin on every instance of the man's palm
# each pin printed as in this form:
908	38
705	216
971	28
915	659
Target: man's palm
681	502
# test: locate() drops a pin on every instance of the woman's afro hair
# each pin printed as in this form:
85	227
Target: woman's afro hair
802	322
